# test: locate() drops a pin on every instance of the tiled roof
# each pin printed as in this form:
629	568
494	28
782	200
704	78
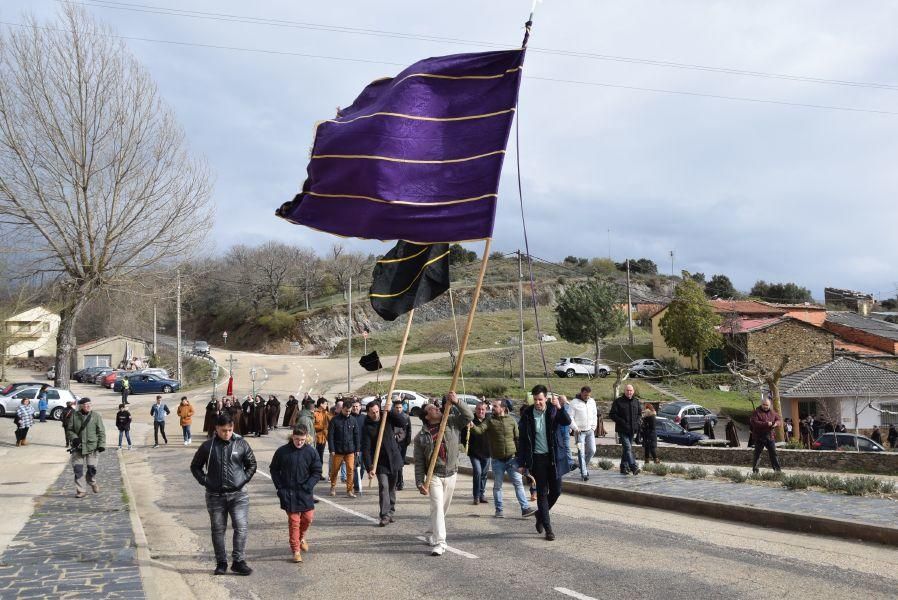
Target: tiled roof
842	345
842	377
746	307
882	329
792	306
745	325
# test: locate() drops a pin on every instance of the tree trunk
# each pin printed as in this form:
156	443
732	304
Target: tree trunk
701	363
780	433
66	344
598	354
307	300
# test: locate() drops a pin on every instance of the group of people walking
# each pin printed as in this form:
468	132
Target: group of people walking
255	416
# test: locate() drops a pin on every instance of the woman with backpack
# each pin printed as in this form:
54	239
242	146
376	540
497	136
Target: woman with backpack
123	424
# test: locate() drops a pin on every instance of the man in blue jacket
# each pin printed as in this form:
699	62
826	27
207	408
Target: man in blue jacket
541	453
295	469
344	440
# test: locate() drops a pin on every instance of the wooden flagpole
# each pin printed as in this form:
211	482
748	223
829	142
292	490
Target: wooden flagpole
458	364
383	412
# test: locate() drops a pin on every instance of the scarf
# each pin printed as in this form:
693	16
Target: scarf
434	430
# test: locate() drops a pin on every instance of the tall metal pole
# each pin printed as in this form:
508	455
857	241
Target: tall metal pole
178	326
349	342
671	263
629	305
155	347
521	317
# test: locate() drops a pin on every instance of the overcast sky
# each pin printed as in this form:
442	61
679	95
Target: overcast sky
754	190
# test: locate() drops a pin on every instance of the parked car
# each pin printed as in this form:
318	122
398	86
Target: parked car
100	376
846	441
111	377
412	402
569	367
154	371
471	400
645	367
56	400
548	338
51	373
690	416
12	387
148	383
86	374
670	432
201	348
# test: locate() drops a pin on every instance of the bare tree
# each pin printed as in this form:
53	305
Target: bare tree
759	375
275	262
93	166
309	273
343	265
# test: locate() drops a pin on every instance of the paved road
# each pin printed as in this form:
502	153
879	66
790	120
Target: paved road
603	550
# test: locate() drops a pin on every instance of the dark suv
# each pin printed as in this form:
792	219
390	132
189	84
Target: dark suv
846	441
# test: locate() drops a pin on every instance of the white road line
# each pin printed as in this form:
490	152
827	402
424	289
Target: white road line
573	594
451	549
373	520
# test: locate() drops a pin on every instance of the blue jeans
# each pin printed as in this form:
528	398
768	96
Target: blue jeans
186	430
127	435
586	444
220	506
509	466
480	466
627	460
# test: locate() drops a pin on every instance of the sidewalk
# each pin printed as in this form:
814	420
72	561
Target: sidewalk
73	548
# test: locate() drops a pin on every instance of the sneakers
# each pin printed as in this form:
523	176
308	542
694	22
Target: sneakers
528	512
637	471
304	545
350	495
241	568
550	535
155	445
221	568
94	486
80	494
586	478
297	557
437	551
384	521
499	515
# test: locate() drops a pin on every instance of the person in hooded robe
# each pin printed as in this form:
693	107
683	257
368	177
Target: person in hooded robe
273	408
260	416
732	434
232	407
289	408
212	410
709	428
249	417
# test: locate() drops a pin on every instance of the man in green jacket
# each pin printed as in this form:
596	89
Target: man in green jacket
442	484
502	433
86	436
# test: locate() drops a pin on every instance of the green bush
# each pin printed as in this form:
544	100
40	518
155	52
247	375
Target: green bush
493	390
605	464
278	323
660	469
766	476
731	473
696	473
861	486
832	483
797	482
678	469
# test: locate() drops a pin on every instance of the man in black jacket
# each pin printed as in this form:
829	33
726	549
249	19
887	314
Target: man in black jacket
344	439
295	469
223	465
389	461
403	437
538	452
625	412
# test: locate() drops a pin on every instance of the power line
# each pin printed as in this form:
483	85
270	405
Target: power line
245	19
537	78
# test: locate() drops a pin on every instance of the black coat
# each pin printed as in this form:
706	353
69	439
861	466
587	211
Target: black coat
222	466
527	436
390	460
625	413
294	472
649	434
344	436
123	420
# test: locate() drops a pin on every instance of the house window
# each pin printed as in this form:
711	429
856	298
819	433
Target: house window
807	407
889	416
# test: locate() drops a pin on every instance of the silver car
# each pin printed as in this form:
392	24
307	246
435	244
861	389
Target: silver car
56	400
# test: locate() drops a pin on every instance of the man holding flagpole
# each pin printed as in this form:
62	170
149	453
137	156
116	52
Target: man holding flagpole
442	484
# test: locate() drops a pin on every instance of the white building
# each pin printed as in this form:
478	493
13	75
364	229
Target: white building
31	333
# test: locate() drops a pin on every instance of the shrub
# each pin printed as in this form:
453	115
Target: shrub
605	464
797	482
861	486
794	445
528	325
832	483
733	474
766	476
493	390
278	323
660	469
696	473
678	469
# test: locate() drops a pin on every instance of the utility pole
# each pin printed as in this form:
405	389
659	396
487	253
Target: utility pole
521	313
671	263
155	347
629	305
178	319
349	342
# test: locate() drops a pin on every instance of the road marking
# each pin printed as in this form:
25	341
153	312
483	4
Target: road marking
573	594
373	520
451	549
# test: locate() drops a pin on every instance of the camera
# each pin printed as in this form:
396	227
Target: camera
74	446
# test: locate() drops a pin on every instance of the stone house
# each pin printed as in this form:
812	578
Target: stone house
118	351
864	331
859	302
766	341
844	389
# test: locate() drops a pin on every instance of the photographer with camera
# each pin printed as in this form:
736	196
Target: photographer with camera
86	437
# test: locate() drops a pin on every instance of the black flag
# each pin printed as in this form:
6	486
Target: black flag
408	276
371	362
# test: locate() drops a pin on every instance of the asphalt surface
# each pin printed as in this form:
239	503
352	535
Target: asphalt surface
603	550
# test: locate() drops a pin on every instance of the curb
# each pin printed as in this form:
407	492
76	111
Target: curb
763	517
140	536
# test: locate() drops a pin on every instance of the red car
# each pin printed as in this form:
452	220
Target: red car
110	379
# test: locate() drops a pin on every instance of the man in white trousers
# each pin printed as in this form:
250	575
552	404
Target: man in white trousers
584	418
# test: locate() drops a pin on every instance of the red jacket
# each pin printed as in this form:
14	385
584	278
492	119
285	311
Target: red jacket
763	423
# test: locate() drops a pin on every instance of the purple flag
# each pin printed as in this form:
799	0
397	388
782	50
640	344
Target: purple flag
416	157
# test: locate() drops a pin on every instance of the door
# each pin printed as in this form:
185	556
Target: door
691	418
97	360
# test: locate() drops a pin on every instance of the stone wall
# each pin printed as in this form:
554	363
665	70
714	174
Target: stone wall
862	337
805	344
874	463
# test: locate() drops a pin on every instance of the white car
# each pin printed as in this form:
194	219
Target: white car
569	367
56	400
412	401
